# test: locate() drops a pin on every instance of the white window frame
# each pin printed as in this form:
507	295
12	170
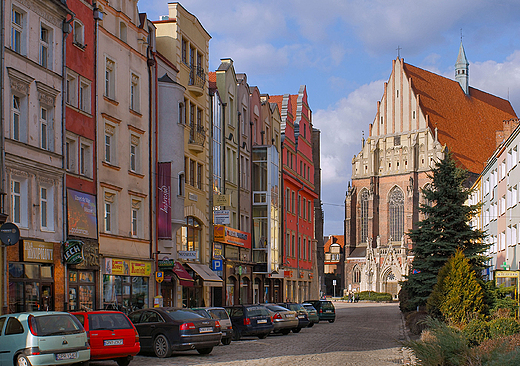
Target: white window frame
79	34
18	31
45	46
135	153
44	127
19	201
72	90
136	220
109	144
84	95
46	208
134	92
109	211
71	153
16	121
110	78
84	159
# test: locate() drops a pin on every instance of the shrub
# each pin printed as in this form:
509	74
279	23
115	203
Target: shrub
375	296
498	352
416	321
503	327
476	331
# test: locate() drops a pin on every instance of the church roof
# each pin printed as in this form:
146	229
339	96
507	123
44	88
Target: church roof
467	124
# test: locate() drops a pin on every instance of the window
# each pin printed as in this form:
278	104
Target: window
293	199
110	144
184	51
192	236
356	275
17	19
293	249
309	211
181	182
199	176
364	215
70	154
396	211
136	217
110	78
110	214
192	173
43	128
79	34
16	111
84	96
134	93
122	31
45	34
72	90
19	204
85	167
46	208
134	153
287	199
182	112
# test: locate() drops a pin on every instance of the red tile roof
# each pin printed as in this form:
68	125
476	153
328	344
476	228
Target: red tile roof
467	125
212	76
276	99
334	239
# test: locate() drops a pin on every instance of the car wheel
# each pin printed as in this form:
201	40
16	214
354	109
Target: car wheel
263	336
161	346
123	361
21	360
236	335
286	331
205	351
296	330
331	320
311	325
226	341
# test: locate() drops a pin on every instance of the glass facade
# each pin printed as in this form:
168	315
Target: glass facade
31	287
125	293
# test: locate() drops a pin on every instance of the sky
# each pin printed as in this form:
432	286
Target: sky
342	50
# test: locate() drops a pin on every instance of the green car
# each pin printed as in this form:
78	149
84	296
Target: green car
42	338
325	309
312	314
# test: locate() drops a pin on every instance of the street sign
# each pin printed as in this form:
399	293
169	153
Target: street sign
221	217
334	282
216	265
9	234
159	276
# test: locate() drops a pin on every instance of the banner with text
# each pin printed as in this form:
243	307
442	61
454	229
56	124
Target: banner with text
81	214
164	213
228	235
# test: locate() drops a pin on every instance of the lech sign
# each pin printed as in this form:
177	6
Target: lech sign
73	251
9	234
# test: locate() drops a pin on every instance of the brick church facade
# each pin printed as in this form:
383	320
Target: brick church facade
419	116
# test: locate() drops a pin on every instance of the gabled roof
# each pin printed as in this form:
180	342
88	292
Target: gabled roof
334	239
466	124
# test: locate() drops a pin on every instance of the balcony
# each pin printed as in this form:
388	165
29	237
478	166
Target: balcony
197	80
197	138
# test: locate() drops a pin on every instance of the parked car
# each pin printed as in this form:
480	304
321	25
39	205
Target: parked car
164	330
42	338
250	320
283	319
312	314
112	336
325	309
226	327
303	319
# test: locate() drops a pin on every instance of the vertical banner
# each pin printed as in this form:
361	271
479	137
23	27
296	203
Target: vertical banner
81	214
164	214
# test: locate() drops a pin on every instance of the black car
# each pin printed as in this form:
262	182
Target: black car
325	309
164	330
250	320
303	318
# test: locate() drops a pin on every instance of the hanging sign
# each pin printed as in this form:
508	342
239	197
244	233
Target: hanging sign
73	251
159	276
9	234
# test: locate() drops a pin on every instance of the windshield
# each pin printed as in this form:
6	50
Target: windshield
257	311
296	307
183	314
327	305
218	314
56	324
202	312
108	321
276	308
309	308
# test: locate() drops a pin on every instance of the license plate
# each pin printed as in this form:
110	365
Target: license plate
205	330
328	311
289	316
112	342
66	356
301	316
262	321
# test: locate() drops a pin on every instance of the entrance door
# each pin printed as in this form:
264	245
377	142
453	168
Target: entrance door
168	292
46	297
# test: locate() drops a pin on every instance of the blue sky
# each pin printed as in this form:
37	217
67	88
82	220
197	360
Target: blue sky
342	50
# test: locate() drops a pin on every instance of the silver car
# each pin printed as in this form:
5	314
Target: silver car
42	338
222	316
283	319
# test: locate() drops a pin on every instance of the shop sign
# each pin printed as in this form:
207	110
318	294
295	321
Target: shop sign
166	263
227	235
187	254
221	217
127	267
221	199
164	214
217	251
73	251
9	234
287	274
159	276
38	251
81	214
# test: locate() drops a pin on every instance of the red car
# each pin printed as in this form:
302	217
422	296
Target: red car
112	336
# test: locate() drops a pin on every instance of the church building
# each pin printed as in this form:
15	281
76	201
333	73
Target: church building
419	116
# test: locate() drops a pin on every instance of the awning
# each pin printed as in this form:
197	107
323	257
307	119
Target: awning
209	277
184	277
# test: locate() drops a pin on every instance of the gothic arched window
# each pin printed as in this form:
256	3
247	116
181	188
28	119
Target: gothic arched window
364	215
357	275
396	213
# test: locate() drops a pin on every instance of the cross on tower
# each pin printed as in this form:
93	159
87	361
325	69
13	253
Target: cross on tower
399	52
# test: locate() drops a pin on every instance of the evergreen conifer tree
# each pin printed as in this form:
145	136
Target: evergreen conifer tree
444	229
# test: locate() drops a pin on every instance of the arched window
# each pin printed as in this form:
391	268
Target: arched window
356	275
396	213
427	202
192	236
364	215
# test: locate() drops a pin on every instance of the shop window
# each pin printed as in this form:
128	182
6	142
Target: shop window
125	293
82	290
192	236
30	287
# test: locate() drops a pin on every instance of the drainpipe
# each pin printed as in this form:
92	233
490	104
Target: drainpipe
66	31
2	156
97	15
239	170
297	233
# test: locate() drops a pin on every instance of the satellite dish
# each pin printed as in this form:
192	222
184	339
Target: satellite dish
9	234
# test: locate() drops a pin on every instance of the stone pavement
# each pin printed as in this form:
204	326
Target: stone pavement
364	334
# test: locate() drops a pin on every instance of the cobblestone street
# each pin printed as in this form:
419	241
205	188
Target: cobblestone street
363	334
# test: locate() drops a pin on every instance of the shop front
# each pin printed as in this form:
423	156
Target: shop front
35	276
126	284
177	283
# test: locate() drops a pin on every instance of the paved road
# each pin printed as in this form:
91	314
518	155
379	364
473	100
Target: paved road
364	334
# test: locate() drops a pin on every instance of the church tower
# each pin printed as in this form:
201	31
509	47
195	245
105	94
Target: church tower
462	70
